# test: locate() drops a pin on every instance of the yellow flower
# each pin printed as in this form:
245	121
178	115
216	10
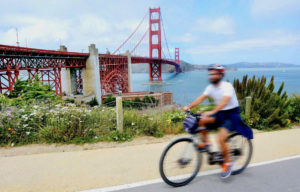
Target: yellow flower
169	121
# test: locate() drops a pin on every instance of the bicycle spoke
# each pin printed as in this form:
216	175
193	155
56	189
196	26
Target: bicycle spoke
180	160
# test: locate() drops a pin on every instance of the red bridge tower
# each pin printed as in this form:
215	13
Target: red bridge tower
155	43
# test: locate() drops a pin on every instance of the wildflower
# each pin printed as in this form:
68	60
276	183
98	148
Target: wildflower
27	132
12	144
58	105
132	123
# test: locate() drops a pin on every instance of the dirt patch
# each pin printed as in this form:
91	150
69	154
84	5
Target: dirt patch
54	148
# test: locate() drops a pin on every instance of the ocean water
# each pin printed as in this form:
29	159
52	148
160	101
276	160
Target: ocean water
188	86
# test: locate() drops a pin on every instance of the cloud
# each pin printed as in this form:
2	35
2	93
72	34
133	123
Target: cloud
76	32
34	29
248	44
221	25
93	24
185	38
271	7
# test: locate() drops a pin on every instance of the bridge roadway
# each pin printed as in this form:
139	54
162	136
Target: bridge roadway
23	58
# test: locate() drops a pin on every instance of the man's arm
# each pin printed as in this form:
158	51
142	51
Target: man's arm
196	102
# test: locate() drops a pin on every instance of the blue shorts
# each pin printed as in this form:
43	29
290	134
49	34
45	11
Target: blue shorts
231	120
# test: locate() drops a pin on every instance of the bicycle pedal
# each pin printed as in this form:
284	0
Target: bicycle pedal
203	149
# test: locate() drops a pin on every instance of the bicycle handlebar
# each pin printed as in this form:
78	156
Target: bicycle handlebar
188	112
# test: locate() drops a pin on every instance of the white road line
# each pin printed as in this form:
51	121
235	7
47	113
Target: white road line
210	172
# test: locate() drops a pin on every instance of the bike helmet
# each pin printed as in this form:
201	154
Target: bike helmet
219	68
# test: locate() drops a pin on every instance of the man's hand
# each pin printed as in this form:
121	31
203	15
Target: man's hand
186	108
208	113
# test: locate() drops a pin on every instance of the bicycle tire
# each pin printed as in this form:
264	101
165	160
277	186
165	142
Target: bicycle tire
240	170
161	164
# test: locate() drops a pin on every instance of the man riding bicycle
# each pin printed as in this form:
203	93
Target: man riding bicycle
225	115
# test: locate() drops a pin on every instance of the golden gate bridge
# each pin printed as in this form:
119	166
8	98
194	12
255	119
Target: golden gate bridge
88	72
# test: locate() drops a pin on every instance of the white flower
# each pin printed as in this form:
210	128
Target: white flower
27	132
96	137
132	123
12	144
35	106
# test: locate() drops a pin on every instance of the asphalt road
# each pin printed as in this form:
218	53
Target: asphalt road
274	177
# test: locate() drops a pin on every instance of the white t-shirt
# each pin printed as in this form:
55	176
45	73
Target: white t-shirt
223	89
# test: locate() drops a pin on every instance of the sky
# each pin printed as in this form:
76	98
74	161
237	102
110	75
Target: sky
205	31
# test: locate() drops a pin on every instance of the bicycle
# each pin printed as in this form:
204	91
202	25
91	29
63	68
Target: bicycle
183	156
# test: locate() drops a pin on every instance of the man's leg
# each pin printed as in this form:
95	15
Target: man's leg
202	123
222	136
227	164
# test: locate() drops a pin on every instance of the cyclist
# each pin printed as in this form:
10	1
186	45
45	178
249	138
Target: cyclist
225	115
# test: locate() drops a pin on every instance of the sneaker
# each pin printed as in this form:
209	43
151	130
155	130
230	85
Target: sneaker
226	170
203	147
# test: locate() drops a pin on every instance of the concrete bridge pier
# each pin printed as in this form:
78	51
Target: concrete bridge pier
68	78
129	70
66	83
91	75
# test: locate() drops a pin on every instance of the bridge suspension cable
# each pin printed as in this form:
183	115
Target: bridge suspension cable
130	34
143	37
165	37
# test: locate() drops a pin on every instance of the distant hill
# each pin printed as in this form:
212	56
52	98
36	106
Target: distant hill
261	65
185	66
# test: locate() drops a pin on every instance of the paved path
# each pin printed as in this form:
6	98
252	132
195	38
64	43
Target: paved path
90	169
274	177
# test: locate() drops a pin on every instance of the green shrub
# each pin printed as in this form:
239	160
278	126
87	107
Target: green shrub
269	109
93	102
26	92
119	136
294	108
4	101
109	101
70	100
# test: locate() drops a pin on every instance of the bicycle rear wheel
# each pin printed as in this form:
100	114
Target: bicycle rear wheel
241	152
180	162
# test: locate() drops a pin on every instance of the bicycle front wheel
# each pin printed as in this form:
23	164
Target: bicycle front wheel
180	162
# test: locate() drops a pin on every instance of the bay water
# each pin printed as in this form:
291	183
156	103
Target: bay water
189	85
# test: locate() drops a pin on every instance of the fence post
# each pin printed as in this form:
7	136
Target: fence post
119	111
248	106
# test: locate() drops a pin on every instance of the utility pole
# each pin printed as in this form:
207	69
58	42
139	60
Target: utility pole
18	43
